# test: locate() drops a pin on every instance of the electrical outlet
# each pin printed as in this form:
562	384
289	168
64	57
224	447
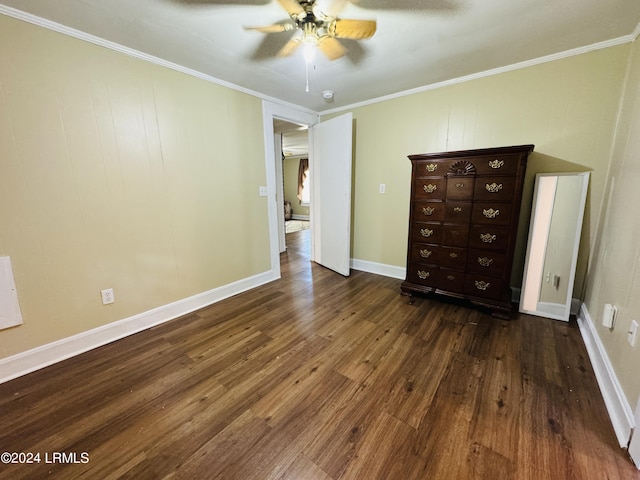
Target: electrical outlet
382	188
633	333
107	296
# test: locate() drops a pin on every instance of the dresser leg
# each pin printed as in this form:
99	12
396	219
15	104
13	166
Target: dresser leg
504	314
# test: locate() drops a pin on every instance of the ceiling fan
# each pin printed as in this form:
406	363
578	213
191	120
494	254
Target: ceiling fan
319	26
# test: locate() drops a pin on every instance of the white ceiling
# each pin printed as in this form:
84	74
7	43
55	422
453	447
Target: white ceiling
417	43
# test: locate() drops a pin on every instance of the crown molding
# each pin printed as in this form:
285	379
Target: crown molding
495	71
72	32
48	24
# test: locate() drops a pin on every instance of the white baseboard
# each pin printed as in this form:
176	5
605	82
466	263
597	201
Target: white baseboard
615	400
379	268
634	444
45	355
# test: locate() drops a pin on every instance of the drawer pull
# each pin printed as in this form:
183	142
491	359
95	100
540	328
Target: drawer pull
423	275
453	255
482	285
491	213
493	187
488	238
451	277
428	210
425	232
457	209
485	261
425	253
496	163
459	185
429	188
432	167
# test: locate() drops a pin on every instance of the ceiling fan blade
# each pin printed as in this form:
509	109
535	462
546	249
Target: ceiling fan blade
293	8
276	28
290	47
329	8
353	29
331	47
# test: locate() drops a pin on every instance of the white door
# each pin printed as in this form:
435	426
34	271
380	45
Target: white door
330	166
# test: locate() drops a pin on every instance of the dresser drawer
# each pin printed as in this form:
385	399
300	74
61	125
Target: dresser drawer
491	213
482	286
485	262
422	252
455	235
426	232
457	212
488	237
497	164
450	257
430	188
428	211
495	189
460	188
433	168
451	280
422	274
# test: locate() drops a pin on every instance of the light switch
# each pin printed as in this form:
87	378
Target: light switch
382	188
609	315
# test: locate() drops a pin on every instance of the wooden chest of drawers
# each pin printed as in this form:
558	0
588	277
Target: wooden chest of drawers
463	221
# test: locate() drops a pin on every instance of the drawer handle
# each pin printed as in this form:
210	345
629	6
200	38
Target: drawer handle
459	185
451	277
432	167
425	232
422	274
482	285
491	213
429	188
453	255
496	163
493	187
425	253
457	209
485	261
488	238
428	210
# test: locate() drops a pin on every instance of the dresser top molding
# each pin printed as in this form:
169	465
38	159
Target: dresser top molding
475	152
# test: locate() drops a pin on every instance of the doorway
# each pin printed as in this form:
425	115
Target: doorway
293	140
270	112
330	162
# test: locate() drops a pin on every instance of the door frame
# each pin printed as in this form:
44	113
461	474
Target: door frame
270	111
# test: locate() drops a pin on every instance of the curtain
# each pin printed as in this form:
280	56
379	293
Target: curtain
303	169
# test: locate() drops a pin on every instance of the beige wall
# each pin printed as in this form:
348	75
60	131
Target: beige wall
119	173
614	273
290	169
567	108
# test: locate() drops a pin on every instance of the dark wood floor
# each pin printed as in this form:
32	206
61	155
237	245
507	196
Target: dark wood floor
317	376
